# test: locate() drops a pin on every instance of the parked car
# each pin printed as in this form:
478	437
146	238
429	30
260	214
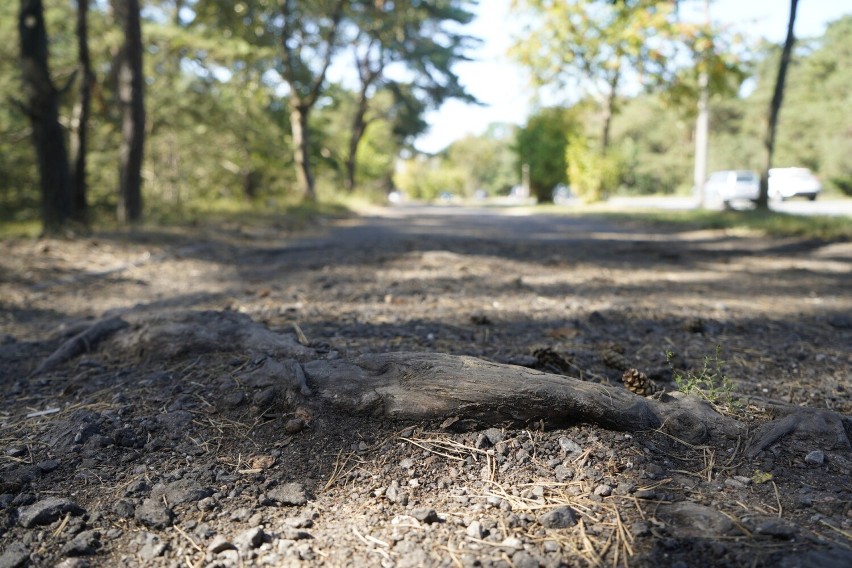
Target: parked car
725	187
561	194
785	183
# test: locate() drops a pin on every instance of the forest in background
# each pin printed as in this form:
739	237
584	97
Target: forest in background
219	123
652	137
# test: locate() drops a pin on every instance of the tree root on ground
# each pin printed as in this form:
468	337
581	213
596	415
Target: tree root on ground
424	386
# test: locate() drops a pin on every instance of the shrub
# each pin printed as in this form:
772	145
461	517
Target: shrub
592	175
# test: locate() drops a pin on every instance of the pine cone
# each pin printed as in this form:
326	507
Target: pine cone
638	382
613	359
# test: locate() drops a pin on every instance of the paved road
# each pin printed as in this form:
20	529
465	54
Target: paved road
832	207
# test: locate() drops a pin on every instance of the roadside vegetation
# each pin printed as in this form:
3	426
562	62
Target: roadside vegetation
767	223
219	138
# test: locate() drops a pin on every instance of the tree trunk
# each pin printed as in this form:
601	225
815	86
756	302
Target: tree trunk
42	106
775	108
80	120
359	126
301	143
609	110
131	100
249	176
702	120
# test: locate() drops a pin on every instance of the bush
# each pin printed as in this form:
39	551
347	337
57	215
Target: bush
844	184
592	175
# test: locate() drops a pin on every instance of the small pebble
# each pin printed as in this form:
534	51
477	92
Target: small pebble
777	528
816	457
474	530
559	518
569	446
425	515
512	542
218	544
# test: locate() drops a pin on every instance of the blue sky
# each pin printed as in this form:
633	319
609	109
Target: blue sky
501	86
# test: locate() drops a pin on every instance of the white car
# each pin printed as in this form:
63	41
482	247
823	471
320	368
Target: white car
728	186
785	183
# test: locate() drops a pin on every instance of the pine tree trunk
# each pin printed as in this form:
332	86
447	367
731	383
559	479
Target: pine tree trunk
775	108
80	120
42	105
131	100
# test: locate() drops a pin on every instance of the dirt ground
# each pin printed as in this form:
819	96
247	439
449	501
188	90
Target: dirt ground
195	455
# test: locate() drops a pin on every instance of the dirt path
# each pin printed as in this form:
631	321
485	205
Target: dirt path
198	459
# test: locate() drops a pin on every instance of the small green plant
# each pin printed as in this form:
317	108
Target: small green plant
710	383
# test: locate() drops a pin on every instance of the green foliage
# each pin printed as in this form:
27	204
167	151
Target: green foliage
655	146
219	124
598	47
656	143
592	175
218	111
426	37
541	145
485	163
704	50
710	382
426	178
590	42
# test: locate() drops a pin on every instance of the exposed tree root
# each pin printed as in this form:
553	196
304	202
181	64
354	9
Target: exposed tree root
81	343
434	385
430	385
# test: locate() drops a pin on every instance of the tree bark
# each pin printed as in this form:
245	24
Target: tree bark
775	108
131	100
359	126
429	385
367	76
301	148
80	120
42	105
305	88
609	109
426	386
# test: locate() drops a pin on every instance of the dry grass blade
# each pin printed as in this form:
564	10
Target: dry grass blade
194	544
370	541
453	556
589	553
45	412
300	335
552	497
709	463
446	446
338	471
737	523
777	499
624	539
838	530
62	525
